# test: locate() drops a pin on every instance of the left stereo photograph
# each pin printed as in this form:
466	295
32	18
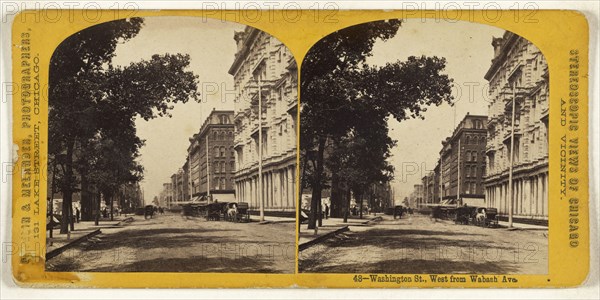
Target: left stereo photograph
172	148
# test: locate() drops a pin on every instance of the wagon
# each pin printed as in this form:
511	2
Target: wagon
243	212
213	211
398	211
148	211
485	217
464	215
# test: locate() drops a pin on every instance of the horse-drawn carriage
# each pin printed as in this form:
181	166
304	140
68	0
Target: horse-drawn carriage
237	212
214	210
148	211
480	216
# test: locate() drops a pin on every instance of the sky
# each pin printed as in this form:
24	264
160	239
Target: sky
211	48
466	46
468	51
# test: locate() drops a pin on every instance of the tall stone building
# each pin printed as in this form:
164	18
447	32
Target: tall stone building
264	63
518	72
462	161
212	159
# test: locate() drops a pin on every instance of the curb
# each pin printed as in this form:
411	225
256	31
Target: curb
126	220
319	239
56	252
378	218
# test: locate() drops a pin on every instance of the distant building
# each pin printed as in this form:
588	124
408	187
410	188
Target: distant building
416	197
262	59
431	186
165	197
212	159
462	162
178	189
519	71
381	196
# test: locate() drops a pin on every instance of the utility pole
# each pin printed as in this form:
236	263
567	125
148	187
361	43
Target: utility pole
207	170
458	179
260	151
510	159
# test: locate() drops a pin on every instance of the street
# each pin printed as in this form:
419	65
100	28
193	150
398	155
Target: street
419	244
172	243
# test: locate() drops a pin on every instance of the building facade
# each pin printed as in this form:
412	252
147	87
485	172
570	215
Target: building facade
431	187
179	195
463	163
262	63
165	196
415	199
211	158
519	75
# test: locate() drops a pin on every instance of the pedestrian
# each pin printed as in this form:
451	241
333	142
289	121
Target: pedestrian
77	214
326	211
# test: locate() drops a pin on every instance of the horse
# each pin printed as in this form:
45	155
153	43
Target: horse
232	212
481	216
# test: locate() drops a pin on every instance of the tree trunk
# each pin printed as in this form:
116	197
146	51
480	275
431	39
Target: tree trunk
97	220
337	200
71	216
361	205
316	192
320	212
348	195
112	210
67	190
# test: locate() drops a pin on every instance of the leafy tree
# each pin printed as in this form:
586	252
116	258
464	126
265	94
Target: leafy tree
93	105
348	103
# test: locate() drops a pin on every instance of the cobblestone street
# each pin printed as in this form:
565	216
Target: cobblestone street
171	243
419	244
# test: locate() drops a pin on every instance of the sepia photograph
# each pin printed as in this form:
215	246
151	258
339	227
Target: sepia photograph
424	150
172	147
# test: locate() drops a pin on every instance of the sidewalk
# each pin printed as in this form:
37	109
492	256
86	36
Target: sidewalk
272	219
82	229
523	226
330	227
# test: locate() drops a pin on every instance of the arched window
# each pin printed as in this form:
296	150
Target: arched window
222	152
468	140
222	135
224	119
217	151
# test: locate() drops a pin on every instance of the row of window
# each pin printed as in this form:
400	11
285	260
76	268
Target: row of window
471	187
471	171
219	167
222	135
222	151
473	156
475	140
220	183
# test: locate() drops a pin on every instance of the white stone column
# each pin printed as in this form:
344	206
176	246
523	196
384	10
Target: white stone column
545	195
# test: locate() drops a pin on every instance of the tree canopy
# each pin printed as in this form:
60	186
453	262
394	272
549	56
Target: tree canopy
93	105
347	102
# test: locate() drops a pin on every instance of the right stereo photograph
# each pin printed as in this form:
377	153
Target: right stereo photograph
424	150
